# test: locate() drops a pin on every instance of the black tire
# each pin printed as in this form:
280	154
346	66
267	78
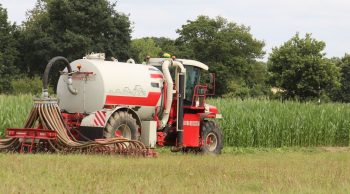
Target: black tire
212	139
123	122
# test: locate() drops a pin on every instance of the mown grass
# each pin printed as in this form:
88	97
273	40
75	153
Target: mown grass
261	172
248	123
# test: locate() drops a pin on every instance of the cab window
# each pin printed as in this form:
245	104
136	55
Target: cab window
192	79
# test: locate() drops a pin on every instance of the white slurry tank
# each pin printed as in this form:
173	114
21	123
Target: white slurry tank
100	84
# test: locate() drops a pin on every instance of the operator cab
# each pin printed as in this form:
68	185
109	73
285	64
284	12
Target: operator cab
195	93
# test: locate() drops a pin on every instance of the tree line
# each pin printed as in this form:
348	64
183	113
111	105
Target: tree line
298	69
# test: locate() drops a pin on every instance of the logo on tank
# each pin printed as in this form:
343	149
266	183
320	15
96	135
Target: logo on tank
126	91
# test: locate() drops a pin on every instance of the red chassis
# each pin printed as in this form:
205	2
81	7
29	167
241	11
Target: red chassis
29	136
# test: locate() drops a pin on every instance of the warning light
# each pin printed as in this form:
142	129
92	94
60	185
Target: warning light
166	55
79	67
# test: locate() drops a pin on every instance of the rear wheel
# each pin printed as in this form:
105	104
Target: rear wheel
122	124
212	139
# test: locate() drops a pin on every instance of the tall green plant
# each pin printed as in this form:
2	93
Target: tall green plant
264	123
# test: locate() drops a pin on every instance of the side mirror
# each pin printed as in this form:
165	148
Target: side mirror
211	85
211	78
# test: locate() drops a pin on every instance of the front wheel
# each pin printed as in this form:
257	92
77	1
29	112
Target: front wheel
212	139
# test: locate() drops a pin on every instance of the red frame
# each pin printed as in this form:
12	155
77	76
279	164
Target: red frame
191	131
30	134
73	121
197	96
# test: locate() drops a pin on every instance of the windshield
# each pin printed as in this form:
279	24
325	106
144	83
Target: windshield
192	79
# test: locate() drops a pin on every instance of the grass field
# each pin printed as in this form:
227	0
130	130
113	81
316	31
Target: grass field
248	123
272	171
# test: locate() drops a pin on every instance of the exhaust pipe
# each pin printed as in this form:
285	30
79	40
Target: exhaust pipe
180	109
180	97
169	81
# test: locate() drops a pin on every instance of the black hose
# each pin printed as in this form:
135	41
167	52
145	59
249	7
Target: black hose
53	61
48	68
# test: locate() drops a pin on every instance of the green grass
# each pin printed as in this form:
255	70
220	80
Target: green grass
274	171
14	110
248	123
241	169
263	123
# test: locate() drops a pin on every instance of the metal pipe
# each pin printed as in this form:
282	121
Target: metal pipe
169	92
70	86
180	65
169	81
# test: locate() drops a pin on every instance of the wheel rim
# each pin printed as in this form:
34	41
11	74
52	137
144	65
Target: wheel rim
211	141
123	131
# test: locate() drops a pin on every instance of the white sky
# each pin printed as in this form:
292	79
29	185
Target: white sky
274	21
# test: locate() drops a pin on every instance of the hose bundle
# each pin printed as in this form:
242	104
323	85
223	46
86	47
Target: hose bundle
46	114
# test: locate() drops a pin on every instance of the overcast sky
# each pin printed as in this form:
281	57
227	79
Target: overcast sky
274	21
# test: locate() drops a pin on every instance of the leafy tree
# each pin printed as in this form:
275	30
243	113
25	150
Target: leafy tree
300	68
152	46
253	85
344	93
8	51
228	48
73	28
143	47
167	45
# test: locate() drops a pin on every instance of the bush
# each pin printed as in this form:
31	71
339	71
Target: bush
26	85
239	89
